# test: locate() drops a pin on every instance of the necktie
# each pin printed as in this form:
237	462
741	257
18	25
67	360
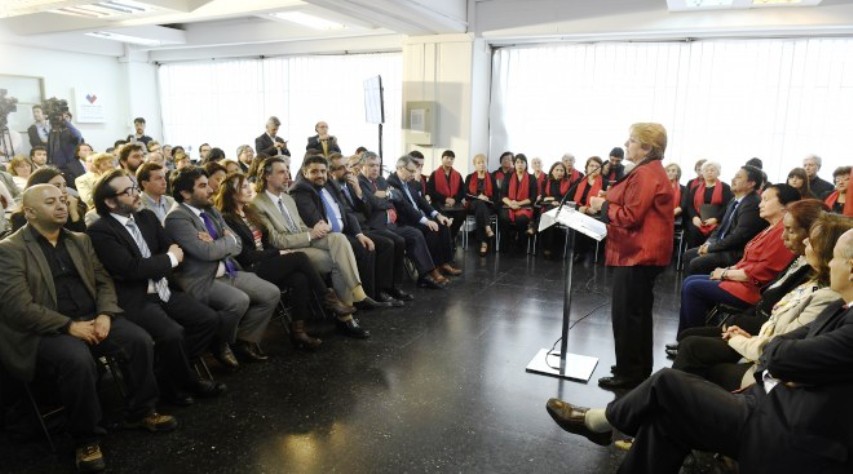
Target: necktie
411	199
230	269
161	285
727	220
331	217
345	189
288	219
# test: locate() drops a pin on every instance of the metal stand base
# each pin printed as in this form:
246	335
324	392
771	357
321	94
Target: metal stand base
575	367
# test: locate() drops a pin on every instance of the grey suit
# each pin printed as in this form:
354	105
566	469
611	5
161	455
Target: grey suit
332	253
245	302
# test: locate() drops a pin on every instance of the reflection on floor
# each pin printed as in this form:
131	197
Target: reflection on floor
440	387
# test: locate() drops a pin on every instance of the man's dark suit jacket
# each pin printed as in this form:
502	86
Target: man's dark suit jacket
264	144
311	208
377	208
820	187
358	207
745	225
35	139
407	213
123	259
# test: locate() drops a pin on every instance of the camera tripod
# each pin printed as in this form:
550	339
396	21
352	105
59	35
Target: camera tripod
6	143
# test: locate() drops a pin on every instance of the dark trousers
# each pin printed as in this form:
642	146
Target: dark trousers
399	243
633	298
705	264
182	328
439	243
416	246
692	235
482	212
516	230
458	216
294	270
673	412
68	364
698	295
711	358
376	267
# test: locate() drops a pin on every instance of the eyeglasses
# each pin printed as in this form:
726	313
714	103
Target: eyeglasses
129	191
412	171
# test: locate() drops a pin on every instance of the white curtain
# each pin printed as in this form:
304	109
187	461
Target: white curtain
724	100
226	103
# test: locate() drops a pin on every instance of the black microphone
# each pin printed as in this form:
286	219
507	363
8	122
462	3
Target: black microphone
562	203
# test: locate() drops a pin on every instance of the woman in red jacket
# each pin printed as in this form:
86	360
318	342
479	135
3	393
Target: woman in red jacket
740	285
638	212
837	199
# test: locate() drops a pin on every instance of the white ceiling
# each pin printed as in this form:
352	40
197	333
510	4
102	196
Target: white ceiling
177	29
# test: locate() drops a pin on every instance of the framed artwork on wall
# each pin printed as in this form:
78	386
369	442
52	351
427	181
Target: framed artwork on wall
29	91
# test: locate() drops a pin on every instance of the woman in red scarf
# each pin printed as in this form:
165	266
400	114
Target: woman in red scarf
480	194
519	192
446	191
553	192
710	192
572	174
679	192
839	199
590	186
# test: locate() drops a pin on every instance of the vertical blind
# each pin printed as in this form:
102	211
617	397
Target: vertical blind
227	102
724	100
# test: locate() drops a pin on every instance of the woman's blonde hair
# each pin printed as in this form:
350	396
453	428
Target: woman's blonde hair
650	135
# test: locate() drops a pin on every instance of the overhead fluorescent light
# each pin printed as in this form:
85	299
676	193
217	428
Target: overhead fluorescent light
700	5
125	38
310	21
106	9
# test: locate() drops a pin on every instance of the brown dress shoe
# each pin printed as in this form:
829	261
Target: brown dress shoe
89	458
449	269
571	419
438	277
300	339
154	422
335	305
226	358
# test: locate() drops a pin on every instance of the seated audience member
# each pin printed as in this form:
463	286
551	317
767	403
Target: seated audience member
446	191
54	326
203	152
269	143
9	182
231	166
799	180
215	174
151	178
182	160
414	210
837	199
131	157
819	188
284	268
100	163
155	157
553	191
323	142
245	158
541	177
76	208
420	179
82	152
590	186
139	135
383	216
764	256
613	170
705	353
739	224
215	155
329	252
695	182
137	253
210	274
706	204
153	146
38	157
572	174
505	169
803	384
316	202
518	194
167	155
20	168
480	190
679	191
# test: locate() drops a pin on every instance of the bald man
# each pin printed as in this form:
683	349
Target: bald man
58	314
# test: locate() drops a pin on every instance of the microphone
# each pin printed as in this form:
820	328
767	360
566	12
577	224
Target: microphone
562	203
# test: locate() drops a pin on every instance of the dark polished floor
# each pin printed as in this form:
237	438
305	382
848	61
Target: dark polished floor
440	387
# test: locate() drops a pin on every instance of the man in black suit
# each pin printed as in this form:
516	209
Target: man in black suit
270	143
40	129
821	188
140	256
793	419
382	216
374	257
740	224
414	210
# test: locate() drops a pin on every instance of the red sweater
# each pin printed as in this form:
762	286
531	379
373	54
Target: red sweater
640	207
763	258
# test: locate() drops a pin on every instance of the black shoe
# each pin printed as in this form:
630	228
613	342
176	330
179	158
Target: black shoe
619	382
383	297
179	399
671	354
207	389
249	351
370	303
400	294
429	282
226	358
352	329
672	347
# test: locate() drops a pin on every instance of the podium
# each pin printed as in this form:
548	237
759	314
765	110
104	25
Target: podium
564	364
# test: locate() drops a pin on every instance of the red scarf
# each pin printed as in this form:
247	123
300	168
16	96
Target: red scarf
565	184
596	187
474	183
694	183
699	199
831	199
676	189
574	176
541	179
848	204
443	187
519	192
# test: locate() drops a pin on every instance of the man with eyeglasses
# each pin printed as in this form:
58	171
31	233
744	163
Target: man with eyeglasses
140	257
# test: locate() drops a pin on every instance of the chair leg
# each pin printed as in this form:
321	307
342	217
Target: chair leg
201	369
118	377
41	417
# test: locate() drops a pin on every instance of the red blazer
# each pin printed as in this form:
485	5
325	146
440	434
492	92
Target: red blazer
640	207
763	258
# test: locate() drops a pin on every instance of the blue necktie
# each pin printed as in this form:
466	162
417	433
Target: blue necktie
727	220
230	269
345	189
330	212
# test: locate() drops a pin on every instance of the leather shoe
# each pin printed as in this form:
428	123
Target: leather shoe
207	389
89	458
226	358
438	277
672	347
250	352
429	282
571	419
335	305
619	382
671	354
352	329
370	303
400	294
383	297
449	269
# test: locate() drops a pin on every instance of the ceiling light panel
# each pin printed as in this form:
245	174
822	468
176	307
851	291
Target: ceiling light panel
700	5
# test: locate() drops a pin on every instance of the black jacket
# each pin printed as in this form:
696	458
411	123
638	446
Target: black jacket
249	256
311	208
408	213
264	144
745	225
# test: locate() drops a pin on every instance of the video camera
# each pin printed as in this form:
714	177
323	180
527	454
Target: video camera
7	106
55	110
